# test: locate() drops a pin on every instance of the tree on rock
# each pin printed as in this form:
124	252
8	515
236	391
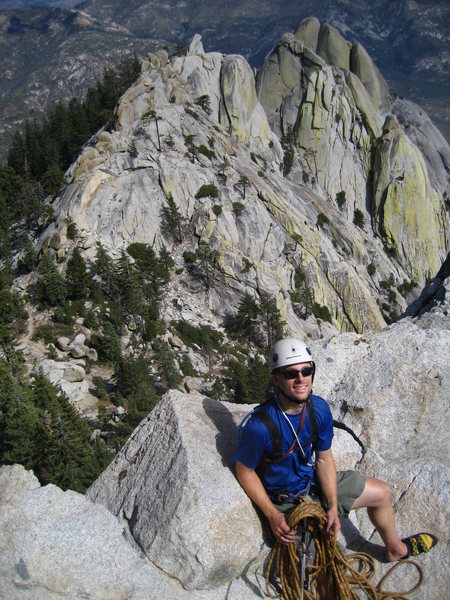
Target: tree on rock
172	220
50	288
77	277
272	324
242	185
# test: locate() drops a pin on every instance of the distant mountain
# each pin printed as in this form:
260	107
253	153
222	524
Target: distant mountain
15	4
50	54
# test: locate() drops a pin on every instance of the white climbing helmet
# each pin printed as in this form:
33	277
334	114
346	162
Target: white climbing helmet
289	351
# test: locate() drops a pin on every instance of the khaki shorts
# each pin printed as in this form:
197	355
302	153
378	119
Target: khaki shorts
350	485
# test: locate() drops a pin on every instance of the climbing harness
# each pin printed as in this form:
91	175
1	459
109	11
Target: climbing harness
345	580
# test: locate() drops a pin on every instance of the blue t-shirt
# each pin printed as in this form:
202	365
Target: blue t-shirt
293	473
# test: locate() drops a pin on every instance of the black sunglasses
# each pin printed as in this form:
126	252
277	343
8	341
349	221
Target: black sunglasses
294	373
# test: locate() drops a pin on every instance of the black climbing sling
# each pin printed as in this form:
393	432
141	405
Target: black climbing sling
275	434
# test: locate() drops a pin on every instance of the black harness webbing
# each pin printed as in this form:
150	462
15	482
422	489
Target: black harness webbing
275	434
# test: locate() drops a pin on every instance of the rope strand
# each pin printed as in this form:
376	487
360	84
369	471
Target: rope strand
345	581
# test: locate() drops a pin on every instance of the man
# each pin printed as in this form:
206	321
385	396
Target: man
274	480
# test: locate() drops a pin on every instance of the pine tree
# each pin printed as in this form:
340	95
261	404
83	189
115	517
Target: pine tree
66	456
248	380
106	270
172	220
109	343
164	359
245	320
166	260
136	387
131	296
243	184
50	287
206	264
272	324
77	277
41	430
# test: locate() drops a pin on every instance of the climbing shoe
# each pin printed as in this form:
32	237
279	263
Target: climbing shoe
419	543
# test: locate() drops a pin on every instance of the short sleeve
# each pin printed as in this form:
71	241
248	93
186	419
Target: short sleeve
324	424
254	443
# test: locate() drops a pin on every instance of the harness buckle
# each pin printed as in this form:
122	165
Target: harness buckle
282	498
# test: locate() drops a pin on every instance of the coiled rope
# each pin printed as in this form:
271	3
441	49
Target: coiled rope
345	580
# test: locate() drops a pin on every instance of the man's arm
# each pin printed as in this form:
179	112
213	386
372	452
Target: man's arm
254	489
326	474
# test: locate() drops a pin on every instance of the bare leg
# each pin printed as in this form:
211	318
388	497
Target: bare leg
376	497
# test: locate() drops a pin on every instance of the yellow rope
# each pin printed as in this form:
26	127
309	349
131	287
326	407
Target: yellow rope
344	579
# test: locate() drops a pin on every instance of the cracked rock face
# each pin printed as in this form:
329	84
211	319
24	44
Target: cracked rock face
176	498
389	389
166	145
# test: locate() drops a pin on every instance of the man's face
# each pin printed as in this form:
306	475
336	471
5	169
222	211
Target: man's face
292	383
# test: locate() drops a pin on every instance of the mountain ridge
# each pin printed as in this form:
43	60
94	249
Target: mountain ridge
422	76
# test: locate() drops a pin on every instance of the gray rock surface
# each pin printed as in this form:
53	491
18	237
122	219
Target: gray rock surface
172	484
56	545
390	389
176	498
303	221
430	141
333	47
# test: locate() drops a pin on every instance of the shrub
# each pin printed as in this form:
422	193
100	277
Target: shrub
392	296
371	269
341	199
246	265
288	160
71	228
406	287
204	102
321	312
391	251
202	149
358	218
202	336
189	257
207	190
238	208
305	176
386	284
322	220
192	113
217	209
186	366
132	150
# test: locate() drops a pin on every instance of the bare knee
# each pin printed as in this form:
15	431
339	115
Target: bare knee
381	492
376	493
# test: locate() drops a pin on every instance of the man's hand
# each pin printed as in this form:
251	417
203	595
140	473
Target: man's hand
256	492
281	530
333	523
326	474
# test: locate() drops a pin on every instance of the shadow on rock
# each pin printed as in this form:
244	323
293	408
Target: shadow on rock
226	438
